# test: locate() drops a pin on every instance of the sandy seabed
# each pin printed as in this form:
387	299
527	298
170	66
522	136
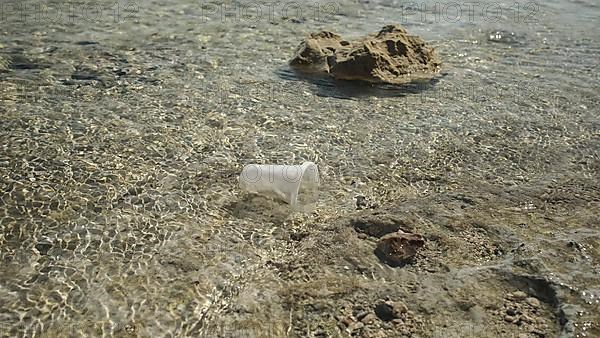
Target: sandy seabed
122	137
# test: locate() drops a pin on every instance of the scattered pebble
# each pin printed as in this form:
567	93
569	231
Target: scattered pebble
399	308
347	321
361	315
526	319
355	326
389	310
518	296
533	302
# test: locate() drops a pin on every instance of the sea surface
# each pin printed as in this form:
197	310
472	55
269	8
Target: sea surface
125	124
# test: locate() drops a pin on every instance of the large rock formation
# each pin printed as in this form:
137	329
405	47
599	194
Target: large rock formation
390	56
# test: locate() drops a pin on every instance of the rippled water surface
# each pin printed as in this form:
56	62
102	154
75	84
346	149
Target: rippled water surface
124	127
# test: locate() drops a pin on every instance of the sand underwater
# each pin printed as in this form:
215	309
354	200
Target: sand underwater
125	125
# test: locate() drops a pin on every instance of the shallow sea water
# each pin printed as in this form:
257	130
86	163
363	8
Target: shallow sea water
124	127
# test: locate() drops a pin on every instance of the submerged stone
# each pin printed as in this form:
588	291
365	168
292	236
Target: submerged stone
397	249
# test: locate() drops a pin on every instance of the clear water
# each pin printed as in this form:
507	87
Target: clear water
124	127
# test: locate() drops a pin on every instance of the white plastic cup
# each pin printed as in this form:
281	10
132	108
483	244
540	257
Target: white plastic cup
297	185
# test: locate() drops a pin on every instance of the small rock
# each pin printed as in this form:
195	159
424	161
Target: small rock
320	333
509	319
361	202
573	244
398	321
347	321
385	311
533	302
398	248
361	315
357	326
538	332
511	311
518	296
390	310
526	319
43	248
399	309
362	235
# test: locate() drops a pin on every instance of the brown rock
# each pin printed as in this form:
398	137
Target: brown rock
314	51
390	56
398	248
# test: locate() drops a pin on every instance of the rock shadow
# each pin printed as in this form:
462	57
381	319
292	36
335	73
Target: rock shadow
259	208
327	86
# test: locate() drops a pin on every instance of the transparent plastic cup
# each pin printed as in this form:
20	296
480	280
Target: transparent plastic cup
296	185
